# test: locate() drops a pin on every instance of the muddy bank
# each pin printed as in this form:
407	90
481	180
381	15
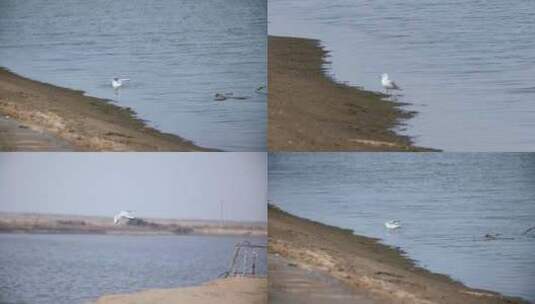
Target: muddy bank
379	273
224	291
19	137
78	224
308	111
293	283
84	123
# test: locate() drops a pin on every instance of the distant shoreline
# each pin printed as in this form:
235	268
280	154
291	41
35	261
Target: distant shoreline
309	111
379	272
75	224
85	123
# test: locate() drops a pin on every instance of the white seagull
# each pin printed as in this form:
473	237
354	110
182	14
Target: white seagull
393	224
123	214
118	82
388	83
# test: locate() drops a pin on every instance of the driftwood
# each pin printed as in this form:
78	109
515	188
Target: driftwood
230	95
225	96
498	236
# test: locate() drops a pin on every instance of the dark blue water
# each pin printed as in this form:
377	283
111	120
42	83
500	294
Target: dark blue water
178	54
81	268
446	203
468	67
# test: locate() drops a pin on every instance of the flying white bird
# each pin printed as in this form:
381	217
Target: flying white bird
388	83
123	214
393	224
118	82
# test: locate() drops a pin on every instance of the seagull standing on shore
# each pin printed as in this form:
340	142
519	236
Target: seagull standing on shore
388	83
116	83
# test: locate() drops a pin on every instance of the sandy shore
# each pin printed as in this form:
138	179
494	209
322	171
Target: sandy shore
83	123
310	112
79	224
290	283
19	137
224	291
377	273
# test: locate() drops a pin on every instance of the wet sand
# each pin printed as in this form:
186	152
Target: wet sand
373	271
84	123
19	137
224	291
291	283
308	111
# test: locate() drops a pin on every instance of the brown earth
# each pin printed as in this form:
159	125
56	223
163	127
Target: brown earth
379	273
308	111
84	123
224	291
19	137
293	283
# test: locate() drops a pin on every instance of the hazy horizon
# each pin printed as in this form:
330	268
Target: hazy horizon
159	185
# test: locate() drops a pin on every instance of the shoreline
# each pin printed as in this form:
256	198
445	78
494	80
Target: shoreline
85	123
378	272
309	111
29	223
225	291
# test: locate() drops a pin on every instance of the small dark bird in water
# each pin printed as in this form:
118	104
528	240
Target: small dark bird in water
529	230
261	90
219	97
490	236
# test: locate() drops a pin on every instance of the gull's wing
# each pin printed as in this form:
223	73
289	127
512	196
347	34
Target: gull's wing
126	214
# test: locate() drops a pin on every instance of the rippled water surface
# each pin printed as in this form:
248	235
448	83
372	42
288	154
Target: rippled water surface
178	54
468	67
70	269
446	203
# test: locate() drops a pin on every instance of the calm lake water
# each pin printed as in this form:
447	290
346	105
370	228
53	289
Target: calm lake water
80	268
466	66
178	54
446	203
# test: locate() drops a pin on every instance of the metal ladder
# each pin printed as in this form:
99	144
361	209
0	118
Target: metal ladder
243	263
